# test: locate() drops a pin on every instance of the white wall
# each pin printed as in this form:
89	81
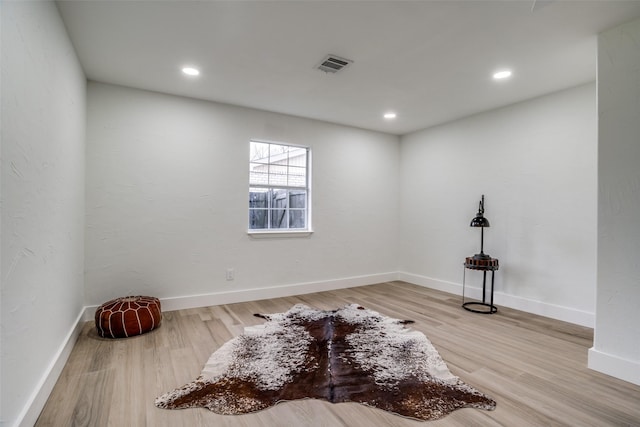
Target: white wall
535	162
616	349
167	184
43	124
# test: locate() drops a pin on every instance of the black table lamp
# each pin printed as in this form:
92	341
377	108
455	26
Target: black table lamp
482	222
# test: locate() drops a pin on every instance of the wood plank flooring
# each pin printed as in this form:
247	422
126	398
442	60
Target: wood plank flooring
534	367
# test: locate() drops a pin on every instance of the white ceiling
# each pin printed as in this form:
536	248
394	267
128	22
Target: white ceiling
429	61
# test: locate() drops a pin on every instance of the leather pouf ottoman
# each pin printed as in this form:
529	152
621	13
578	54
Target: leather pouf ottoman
128	316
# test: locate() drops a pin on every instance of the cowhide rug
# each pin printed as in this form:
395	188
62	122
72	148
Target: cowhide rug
346	355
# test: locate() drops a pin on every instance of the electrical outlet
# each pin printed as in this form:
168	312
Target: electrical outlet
230	274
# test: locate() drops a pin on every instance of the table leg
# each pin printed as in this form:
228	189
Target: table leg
493	275
484	286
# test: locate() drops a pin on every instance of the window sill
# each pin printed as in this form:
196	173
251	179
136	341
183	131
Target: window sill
256	234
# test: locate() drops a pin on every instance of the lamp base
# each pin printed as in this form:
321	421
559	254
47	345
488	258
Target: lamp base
482	256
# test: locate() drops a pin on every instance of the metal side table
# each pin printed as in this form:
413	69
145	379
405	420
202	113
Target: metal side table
484	265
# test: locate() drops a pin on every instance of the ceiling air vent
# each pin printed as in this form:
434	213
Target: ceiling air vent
333	64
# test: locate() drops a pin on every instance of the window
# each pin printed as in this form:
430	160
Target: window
278	187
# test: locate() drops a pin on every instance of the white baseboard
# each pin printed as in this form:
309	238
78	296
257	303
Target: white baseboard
558	312
624	369
428	282
29	415
566	314
255	294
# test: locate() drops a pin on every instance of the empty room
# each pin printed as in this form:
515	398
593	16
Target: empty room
320	213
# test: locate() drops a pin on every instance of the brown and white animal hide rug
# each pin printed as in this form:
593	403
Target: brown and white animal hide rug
346	355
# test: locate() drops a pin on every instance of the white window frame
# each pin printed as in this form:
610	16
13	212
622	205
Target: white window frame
284	232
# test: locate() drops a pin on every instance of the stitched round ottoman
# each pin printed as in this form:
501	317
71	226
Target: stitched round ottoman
128	316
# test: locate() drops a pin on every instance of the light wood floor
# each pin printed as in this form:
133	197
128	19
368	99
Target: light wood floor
534	367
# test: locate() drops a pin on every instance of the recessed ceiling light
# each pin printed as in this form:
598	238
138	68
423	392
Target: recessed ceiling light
503	74
190	71
390	115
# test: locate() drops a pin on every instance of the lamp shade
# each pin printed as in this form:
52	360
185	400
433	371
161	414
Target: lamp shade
480	221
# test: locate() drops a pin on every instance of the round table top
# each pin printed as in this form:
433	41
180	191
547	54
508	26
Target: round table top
474	263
